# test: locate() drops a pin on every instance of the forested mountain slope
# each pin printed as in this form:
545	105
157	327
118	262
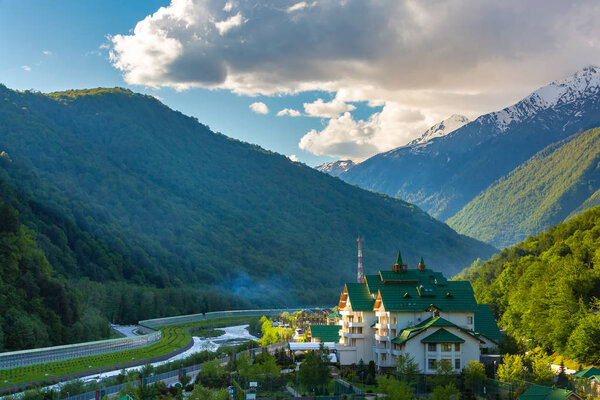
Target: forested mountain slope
40	247
547	287
183	206
541	192
443	174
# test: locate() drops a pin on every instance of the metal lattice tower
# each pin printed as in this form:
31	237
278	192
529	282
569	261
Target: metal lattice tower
360	275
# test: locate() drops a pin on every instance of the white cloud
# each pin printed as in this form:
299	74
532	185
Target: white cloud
290	112
297	7
440	58
26	68
293	157
46	52
331	109
345	137
259	108
226	25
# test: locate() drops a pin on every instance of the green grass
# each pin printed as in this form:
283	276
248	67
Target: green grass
173	338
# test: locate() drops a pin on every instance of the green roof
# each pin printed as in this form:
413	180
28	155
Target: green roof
453	296
485	324
327	333
399	259
442	336
360	298
545	393
374	283
334	314
587	373
126	397
413	331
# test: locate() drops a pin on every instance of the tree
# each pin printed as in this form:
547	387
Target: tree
562	380
371	373
394	389
444	373
407	369
584	342
474	374
542	374
511	369
446	392
204	393
314	371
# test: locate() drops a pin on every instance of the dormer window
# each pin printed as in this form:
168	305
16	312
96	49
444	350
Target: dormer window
436	314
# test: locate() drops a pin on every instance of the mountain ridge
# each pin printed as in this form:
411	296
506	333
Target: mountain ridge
175	196
446	173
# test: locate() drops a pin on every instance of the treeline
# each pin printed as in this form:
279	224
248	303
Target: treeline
546	288
40	307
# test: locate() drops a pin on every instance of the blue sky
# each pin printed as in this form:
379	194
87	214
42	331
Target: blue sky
73	31
385	71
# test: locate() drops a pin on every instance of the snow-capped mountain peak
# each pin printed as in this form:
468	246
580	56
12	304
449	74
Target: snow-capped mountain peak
336	168
441	129
580	85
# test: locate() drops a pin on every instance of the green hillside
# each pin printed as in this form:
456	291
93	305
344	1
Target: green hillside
175	205
556	183
546	288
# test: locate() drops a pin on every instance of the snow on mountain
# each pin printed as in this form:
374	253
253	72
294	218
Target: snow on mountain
441	129
335	168
577	87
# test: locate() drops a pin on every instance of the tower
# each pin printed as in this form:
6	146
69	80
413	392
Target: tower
360	275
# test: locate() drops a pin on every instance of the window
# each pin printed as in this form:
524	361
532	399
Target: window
432	347
457	347
469	319
457	363
446	347
431	363
394	320
436	313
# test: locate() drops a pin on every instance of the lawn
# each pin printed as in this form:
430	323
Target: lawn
173	338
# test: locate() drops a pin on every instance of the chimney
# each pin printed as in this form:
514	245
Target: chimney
399	266
421	266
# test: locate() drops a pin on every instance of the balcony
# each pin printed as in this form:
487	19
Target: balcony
382	326
356	324
382	338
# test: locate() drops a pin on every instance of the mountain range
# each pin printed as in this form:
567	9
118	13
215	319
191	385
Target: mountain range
122	192
442	173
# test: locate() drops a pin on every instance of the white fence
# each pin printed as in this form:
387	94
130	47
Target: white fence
22	358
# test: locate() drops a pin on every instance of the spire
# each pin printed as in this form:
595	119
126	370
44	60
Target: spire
399	259
399	266
421	266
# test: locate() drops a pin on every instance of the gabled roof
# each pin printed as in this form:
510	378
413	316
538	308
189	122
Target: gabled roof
334	314
413	331
360	298
442	336
453	296
485	324
327	333
547	393
587	373
373	283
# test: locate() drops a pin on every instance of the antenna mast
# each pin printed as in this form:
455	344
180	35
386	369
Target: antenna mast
360	275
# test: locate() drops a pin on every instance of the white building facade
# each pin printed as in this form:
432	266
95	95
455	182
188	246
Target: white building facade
416	312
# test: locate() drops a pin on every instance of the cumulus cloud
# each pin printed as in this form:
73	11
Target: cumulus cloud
290	112
26	68
293	157
226	25
345	137
259	108
331	109
442	57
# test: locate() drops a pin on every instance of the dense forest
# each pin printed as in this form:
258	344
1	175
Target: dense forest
40	307
172	204
560	181
546	288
